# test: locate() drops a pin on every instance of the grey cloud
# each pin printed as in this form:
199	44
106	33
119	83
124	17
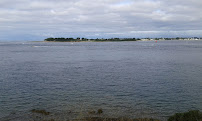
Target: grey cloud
96	18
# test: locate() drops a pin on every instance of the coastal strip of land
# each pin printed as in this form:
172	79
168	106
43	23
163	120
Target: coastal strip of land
78	39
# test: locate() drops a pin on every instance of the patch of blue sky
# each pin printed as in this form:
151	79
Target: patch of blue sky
125	2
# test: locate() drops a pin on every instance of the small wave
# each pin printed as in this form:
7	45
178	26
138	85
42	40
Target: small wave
40	46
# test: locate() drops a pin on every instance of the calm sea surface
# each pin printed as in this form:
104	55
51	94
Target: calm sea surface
135	79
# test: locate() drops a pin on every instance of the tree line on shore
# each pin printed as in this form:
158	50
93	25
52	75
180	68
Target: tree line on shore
78	39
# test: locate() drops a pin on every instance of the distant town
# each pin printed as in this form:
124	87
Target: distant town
78	39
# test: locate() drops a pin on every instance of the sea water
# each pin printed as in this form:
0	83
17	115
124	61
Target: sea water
134	79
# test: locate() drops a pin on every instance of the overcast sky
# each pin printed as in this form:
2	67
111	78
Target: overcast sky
39	19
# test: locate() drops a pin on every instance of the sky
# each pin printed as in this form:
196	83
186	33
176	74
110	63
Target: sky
39	19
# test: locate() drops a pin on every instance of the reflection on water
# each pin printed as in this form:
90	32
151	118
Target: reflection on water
143	79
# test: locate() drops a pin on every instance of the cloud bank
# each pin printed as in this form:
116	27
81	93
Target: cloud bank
39	19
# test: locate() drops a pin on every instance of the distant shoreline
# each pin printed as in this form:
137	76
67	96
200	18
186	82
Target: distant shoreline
78	39
121	41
